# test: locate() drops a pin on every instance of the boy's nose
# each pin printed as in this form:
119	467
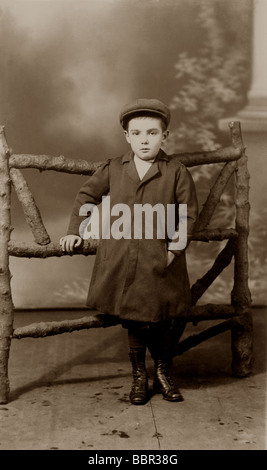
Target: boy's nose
145	139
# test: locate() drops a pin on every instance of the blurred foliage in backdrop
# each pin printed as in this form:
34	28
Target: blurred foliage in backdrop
212	84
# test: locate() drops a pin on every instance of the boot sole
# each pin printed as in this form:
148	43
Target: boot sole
137	403
157	390
173	399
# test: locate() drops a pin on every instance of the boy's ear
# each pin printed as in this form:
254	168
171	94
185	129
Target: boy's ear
165	135
126	136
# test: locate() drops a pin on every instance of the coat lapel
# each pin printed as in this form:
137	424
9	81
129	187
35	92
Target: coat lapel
151	172
154	170
131	168
132	171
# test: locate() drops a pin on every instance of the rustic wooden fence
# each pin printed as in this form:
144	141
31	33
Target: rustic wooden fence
236	316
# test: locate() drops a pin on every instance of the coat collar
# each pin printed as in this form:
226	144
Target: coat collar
151	173
129	156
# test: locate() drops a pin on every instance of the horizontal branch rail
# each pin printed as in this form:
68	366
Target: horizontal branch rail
216	234
55	163
84	167
89	247
43	329
21	249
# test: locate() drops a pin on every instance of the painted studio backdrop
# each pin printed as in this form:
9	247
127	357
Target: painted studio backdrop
67	68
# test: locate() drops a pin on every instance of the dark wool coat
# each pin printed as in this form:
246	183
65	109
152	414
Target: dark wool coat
130	278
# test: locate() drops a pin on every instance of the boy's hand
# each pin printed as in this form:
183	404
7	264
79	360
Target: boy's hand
69	242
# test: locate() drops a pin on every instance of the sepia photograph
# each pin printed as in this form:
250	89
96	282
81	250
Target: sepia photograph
133	235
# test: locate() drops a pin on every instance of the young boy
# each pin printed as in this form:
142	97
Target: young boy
140	273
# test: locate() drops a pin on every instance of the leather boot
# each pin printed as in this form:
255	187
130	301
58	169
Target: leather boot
139	391
163	382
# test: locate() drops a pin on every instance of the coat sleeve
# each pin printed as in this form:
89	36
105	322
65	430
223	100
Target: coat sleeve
186	194
90	193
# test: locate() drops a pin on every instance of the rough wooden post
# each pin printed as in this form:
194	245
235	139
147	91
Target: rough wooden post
6	305
242	329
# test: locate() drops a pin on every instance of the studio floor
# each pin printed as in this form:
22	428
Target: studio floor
71	392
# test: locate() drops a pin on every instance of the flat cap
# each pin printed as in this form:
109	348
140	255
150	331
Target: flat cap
145	105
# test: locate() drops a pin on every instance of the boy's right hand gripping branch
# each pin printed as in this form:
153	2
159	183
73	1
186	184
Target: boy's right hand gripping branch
70	242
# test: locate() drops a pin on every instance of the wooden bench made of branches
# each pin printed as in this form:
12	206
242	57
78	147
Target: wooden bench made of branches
236	316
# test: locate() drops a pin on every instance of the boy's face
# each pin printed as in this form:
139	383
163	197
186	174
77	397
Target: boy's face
145	135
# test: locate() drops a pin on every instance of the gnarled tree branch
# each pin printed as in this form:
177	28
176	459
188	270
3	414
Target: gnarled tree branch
194	340
43	329
84	167
6	305
223	259
89	247
215	195
31	211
